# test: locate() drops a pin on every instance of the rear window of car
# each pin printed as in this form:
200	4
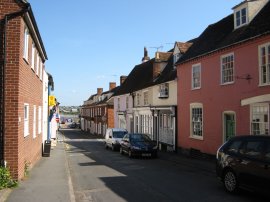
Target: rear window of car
119	134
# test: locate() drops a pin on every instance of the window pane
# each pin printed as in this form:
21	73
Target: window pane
227	69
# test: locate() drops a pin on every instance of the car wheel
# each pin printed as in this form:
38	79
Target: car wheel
130	155
230	181
106	146
113	147
121	150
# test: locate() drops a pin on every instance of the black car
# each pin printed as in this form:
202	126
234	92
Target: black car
244	161
138	144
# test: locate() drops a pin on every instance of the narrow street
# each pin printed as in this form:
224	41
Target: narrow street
98	174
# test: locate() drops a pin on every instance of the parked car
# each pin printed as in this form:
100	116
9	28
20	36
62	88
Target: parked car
244	161
73	125
138	144
113	137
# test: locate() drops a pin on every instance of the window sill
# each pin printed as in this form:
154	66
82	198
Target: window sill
196	137
198	88
227	83
264	84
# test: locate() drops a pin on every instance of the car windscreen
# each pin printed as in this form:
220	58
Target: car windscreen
140	138
119	134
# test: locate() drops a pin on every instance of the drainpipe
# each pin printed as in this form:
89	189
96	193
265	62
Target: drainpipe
3	69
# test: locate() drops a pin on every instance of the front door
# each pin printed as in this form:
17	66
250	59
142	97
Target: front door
229	126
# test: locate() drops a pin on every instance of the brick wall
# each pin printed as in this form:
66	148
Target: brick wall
110	117
22	86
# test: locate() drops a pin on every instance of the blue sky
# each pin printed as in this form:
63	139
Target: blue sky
90	43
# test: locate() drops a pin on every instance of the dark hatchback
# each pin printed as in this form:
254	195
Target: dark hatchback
138	144
244	161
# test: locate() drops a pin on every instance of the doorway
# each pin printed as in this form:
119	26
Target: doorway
229	125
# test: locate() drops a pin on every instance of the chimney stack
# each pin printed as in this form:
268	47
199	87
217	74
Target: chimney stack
112	85
99	91
122	79
145	56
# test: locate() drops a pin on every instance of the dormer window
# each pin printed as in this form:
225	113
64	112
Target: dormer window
241	17
176	58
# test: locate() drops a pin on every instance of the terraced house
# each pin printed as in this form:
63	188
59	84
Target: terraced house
22	67
150	105
224	80
97	111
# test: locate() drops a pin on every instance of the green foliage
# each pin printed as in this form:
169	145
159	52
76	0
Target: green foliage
5	179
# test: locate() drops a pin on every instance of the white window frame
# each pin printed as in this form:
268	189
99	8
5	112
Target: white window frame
26	119
194	75
41	70
263	126
127	103
243	20
192	134
266	46
223	70
26	44
145	98
138	99
118	103
34	121
39	119
33	56
38	64
176	57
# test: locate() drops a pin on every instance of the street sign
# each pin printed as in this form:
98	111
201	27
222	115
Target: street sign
51	100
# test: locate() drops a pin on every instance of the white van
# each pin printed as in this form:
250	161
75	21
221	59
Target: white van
113	137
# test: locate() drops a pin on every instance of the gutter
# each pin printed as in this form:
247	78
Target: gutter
8	17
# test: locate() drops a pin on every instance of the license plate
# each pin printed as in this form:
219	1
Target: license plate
146	154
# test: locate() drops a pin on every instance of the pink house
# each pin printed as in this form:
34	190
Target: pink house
224	80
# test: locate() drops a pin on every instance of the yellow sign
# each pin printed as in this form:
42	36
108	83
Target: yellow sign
51	100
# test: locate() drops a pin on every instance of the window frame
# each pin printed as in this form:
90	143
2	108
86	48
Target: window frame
240	18
198	65
266	124
33	56
196	106
26	44
222	70
39	119
267	64
34	121
26	120
145	98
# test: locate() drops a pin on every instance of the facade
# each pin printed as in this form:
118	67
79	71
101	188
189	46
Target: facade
22	66
97	112
224	82
149	106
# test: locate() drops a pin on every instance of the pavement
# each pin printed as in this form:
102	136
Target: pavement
47	184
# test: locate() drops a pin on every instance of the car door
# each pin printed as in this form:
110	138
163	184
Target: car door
251	164
266	166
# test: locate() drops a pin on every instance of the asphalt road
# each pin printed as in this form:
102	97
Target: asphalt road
103	175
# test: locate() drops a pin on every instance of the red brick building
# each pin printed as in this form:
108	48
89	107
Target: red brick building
97	113
22	63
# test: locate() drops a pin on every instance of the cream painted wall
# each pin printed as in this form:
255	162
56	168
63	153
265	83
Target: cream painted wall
171	100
